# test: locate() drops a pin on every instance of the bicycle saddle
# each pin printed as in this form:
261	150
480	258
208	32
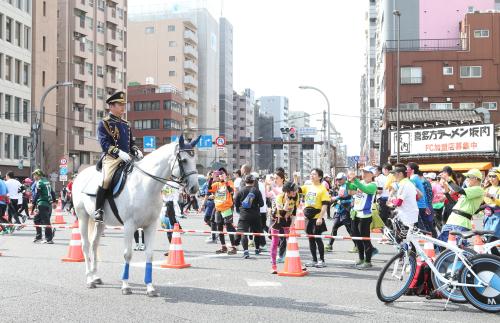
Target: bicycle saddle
468	234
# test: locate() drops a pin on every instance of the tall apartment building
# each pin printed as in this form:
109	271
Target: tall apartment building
226	81
263	130
44	75
195	25
370	113
300	160
15	85
243	127
92	52
277	106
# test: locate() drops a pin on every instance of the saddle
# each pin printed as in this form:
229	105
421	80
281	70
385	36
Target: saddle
117	182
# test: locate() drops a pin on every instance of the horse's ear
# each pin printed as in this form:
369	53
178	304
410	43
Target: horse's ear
195	142
181	141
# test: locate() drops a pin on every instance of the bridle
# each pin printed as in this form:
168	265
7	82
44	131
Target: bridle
183	175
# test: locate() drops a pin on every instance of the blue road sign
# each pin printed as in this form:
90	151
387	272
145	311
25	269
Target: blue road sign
63	171
149	143
355	158
204	143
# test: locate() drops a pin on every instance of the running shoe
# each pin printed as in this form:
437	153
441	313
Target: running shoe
359	263
274	269
320	264
221	250
258	251
354	250
246	254
136	247
166	254
328	248
48	242
365	265
37	240
142	247
210	240
280	260
374	252
311	264
232	251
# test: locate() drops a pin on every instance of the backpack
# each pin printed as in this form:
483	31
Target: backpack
421	285
248	201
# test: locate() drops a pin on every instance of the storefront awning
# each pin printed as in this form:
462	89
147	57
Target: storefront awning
455	166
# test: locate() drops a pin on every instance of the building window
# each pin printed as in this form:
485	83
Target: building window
172	105
8	68
171	27
467	105
25	147
17	145
482	33
90	22
147	106
100	5
490	105
8	105
100	27
99	71
470	71
171	124
120	12
26	105
171	73
44	8
27	37
90	68
17	109
100	49
1	26
172	43
90	91
147	124
149	30
171	58
17	34
408	106
90	45
18	71
43	43
100	93
447	70
7	138
411	75
43	78
8	29
441	106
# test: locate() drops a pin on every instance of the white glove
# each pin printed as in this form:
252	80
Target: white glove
124	156
139	154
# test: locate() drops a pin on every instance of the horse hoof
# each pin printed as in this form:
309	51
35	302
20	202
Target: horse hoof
97	281
153	293
91	285
126	291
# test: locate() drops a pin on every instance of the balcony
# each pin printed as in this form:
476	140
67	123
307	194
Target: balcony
112	37
80	25
190	81
79	96
190	66
190	96
191	51
422	45
112	16
80	49
80	73
192	111
112	81
82	5
111	59
190	36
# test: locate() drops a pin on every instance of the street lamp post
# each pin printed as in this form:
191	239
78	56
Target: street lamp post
37	127
306	87
397	13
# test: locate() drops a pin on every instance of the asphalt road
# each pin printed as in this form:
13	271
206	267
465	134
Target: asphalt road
37	286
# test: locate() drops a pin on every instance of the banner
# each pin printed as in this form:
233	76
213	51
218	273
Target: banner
462	139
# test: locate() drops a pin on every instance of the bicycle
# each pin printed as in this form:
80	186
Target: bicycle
478	279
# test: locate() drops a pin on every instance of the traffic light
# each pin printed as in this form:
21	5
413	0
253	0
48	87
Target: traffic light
292	133
307	143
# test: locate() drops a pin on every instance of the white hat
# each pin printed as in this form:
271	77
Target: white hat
341	175
369	169
430	175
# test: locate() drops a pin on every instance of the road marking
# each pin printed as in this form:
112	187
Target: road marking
261	283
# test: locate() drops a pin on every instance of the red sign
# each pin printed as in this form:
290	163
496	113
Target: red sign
220	141
63	161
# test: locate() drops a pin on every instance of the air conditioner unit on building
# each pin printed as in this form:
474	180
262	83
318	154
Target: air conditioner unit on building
451	86
425	99
448	99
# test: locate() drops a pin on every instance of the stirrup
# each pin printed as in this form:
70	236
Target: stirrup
98	216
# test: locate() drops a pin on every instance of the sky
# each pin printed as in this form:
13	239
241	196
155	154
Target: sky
282	44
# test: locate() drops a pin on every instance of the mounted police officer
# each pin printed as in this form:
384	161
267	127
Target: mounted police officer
117	143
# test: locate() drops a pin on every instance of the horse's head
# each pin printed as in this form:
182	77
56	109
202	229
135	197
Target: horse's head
186	169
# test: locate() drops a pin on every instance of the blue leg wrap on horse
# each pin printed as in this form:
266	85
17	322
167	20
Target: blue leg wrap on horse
125	271
148	277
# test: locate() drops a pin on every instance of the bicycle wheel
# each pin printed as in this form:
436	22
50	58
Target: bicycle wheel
444	264
487	267
396	276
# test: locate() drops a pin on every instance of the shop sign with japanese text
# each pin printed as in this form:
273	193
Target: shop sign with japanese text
462	139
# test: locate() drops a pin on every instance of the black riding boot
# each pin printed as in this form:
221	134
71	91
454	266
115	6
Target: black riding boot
99	204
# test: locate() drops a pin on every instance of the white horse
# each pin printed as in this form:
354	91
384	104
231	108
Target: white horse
139	205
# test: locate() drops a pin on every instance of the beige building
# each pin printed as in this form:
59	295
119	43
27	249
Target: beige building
243	127
15	85
44	75
91	51
165	52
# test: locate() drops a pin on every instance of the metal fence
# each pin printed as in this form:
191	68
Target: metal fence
426	44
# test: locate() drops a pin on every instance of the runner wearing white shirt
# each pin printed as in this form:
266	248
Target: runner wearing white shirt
406	197
16	197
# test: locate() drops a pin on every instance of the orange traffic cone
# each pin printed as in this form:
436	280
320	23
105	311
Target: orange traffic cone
452	239
293	265
59	214
300	220
175	252
75	253
429	250
478	244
